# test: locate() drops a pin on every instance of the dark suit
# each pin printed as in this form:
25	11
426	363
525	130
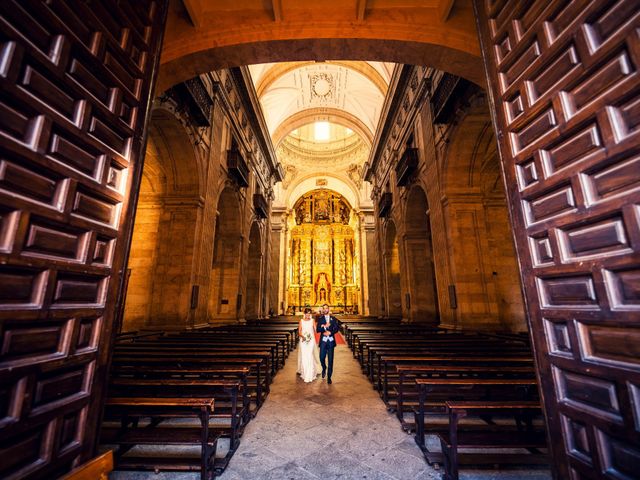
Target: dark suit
327	347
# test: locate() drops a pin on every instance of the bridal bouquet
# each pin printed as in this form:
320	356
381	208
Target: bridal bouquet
306	337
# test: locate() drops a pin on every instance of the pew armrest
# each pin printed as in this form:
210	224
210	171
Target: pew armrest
490	405
160	402
97	468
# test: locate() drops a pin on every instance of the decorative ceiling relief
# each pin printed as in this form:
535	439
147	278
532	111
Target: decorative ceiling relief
355	173
322	87
290	172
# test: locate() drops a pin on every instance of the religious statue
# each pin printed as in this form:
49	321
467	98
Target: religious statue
344	214
322	209
322	289
303	267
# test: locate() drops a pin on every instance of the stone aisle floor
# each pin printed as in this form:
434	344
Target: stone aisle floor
320	431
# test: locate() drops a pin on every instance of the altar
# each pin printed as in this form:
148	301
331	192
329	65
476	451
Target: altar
323	260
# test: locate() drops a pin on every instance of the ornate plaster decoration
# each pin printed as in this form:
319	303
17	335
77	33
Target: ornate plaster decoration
322	87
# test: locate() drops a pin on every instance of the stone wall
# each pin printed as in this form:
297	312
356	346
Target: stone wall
466	248
189	261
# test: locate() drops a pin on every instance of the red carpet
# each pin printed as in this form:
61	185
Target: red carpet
339	339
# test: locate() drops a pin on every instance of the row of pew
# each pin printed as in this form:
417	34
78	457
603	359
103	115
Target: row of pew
190	391
472	394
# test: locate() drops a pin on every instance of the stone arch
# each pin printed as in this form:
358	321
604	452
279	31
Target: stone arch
161	256
224	299
391	255
254	273
174	144
332	115
184	58
337	183
484	265
418	249
471	153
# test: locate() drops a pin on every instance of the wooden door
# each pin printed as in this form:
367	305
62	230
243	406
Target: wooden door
564	81
76	80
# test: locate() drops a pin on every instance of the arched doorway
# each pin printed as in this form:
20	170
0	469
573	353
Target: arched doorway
254	274
224	296
161	256
418	249
392	271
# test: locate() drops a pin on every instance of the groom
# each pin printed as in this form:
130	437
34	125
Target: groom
327	326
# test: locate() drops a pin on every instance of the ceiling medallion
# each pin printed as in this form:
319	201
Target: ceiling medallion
321	86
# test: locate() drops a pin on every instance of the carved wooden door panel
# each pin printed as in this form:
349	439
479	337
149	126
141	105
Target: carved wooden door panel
75	87
564	81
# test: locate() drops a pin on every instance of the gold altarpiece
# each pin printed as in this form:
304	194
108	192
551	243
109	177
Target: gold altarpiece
323	260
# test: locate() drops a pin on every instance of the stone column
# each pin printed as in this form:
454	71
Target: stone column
430	179
174	272
469	251
364	265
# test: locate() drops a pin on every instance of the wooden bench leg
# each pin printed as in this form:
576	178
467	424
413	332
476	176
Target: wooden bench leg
451	455
258	389
204	440
446	457
235	437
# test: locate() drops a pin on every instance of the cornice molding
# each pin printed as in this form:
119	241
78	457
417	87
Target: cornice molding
251	103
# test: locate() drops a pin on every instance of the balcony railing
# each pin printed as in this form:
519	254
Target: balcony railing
238	168
385	203
407	164
194	95
260	205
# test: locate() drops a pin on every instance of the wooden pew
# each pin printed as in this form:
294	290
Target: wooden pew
421	369
212	372
258	380
97	468
227	394
225	363
136	335
209	350
187	356
456	436
406	393
377	353
128	435
277	340
428	361
422	346
435	392
290	331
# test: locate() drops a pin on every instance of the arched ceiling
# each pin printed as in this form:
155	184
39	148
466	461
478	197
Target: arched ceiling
300	100
356	88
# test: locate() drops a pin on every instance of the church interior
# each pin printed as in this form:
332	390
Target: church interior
458	181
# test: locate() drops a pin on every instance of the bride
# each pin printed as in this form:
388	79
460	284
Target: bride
307	353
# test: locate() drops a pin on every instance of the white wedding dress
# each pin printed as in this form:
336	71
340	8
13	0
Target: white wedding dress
308	363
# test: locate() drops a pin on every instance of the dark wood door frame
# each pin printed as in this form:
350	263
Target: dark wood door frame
563	79
76	84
